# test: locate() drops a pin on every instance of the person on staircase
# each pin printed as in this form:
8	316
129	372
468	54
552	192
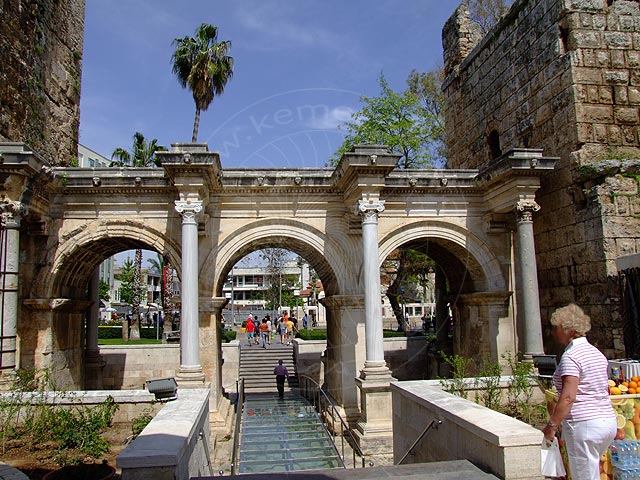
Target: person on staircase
281	374
250	327
264	332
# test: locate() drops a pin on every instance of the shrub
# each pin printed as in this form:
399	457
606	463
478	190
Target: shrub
228	336
315	334
393	334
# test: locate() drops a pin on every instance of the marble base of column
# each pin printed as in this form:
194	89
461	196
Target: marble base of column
93	370
190	378
374	430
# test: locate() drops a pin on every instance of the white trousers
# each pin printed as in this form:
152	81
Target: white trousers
586	441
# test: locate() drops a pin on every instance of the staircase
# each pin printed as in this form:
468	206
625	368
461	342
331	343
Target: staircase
257	364
284	435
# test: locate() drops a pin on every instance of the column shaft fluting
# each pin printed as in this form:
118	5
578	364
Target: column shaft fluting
526	257
189	339
371	272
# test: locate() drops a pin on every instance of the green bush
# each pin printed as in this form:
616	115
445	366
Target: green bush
228	336
105	332
315	334
393	334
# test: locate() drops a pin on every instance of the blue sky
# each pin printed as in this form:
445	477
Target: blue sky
300	68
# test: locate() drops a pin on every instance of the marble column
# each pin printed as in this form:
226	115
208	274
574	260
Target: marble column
11	214
529	308
93	362
374	360
373	431
190	367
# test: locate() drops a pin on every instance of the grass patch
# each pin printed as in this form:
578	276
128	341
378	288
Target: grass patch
119	341
315	334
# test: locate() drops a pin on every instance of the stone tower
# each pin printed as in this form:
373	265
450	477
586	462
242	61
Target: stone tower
564	76
41	45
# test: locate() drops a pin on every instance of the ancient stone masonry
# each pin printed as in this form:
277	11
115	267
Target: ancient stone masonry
562	75
40	53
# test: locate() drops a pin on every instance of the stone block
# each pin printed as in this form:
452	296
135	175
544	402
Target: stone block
619	77
605	95
603	58
625	7
626	115
618	39
583	5
633	59
621	95
585	39
594	113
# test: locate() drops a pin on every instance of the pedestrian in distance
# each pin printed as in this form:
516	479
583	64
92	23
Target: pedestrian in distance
256	329
282	330
305	321
290	333
270	329
282	375
264	332
251	328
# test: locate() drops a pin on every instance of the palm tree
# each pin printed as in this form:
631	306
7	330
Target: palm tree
164	268
203	65
143	154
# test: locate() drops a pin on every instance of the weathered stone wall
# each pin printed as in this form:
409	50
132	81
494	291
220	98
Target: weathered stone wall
40	52
562	75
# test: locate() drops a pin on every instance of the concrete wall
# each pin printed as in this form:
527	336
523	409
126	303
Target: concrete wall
41	45
129	367
230	365
561	75
496	443
175	444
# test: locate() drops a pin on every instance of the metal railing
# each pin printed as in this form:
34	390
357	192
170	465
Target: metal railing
236	433
310	390
432	424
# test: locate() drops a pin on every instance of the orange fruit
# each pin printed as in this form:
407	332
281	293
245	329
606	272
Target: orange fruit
635	379
632	391
626	384
633	384
615	391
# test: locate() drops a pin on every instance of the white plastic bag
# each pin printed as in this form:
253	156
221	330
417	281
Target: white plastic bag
551	459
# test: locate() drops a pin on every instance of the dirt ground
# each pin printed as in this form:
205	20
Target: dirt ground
38	460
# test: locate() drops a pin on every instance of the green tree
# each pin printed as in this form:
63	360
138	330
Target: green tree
487	13
162	266
142	154
130	293
126	281
394	119
104	290
427	87
279	284
203	65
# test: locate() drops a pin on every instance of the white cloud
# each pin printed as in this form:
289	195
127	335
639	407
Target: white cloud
331	119
281	27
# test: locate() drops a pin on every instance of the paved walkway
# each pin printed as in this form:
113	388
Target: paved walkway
10	473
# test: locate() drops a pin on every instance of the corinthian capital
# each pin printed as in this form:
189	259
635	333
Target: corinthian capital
189	209
369	210
525	210
11	213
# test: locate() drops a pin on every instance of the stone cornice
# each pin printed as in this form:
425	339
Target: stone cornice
58	304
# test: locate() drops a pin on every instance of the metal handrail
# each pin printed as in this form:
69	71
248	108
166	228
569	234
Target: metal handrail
344	428
236	433
432	423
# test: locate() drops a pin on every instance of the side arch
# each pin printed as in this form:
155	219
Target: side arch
85	247
456	241
303	239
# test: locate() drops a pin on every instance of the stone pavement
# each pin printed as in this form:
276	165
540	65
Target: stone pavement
10	473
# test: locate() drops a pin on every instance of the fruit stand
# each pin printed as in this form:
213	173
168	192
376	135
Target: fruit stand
626	405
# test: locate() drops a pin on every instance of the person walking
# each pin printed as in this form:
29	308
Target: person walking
251	328
270	327
583	407
281	373
290	327
256	325
264	332
305	321
282	330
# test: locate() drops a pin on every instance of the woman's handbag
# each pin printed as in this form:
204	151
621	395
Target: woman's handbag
551	459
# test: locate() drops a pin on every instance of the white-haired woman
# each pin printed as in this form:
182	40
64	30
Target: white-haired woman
583	407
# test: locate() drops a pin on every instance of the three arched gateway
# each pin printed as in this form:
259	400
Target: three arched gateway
59	224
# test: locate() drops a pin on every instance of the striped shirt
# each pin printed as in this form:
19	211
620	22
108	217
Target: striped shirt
584	361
